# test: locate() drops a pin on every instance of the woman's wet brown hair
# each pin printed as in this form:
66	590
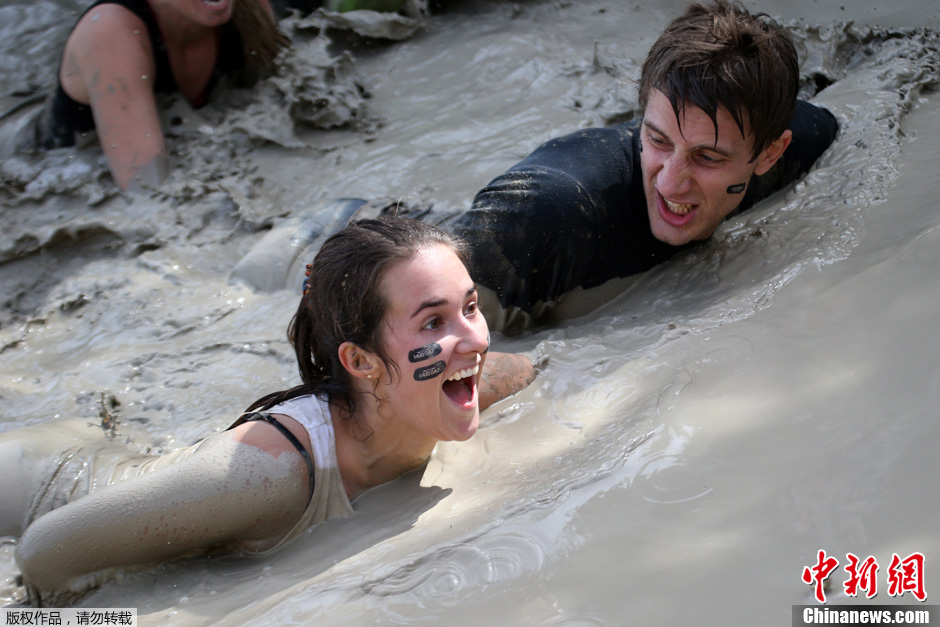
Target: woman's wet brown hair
261	37
344	303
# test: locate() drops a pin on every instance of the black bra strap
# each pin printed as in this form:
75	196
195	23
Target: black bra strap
271	420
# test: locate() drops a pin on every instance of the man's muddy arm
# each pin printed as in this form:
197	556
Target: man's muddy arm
504	374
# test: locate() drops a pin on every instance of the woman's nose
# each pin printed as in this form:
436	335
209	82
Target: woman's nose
475	336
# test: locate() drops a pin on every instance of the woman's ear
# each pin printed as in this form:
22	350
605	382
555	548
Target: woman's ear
773	152
358	362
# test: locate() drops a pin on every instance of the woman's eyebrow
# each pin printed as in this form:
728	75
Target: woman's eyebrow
429	304
437	302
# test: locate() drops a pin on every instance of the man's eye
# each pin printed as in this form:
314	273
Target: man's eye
658	142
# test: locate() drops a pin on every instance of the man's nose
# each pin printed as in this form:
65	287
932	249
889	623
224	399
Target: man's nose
675	177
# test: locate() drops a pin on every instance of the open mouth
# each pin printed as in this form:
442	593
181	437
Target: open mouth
215	4
461	387
676	208
674	213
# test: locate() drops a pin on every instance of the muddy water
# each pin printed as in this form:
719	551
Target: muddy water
691	445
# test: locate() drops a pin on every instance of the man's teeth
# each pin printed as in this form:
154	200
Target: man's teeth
463	374
676	208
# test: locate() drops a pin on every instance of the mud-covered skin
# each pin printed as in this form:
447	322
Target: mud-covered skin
226	493
504	374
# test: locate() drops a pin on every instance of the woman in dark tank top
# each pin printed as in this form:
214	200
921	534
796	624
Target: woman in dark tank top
121	52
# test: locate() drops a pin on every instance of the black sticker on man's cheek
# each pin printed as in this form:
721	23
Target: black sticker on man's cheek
423	374
737	189
425	352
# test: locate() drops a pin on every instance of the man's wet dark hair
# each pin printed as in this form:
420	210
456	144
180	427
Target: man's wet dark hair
723	56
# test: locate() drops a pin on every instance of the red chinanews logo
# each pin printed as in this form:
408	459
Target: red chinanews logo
903	575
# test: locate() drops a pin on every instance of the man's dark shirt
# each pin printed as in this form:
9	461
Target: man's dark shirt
573	213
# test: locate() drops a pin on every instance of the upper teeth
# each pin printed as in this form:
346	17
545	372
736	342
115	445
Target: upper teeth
677	208
463	374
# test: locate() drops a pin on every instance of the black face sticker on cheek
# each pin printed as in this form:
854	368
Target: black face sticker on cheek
423	374
737	189
425	352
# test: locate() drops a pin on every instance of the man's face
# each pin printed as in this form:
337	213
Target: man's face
692	182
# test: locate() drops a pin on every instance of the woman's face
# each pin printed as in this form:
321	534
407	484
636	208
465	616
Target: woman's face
438	338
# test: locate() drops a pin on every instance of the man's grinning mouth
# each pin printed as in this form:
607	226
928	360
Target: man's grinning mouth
676	208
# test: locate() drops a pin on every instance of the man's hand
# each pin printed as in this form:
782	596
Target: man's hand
504	374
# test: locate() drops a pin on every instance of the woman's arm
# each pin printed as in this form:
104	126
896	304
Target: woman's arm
108	63
504	374
226	491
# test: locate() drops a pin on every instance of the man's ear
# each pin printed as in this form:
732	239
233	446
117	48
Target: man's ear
357	361
773	152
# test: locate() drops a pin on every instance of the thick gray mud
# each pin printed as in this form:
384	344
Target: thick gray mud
690	445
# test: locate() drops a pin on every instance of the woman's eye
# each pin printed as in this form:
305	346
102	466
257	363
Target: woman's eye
433	324
472	309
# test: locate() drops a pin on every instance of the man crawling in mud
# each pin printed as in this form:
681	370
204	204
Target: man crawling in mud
721	129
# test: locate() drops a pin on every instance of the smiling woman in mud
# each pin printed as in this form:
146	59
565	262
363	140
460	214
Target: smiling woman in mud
120	52
390	346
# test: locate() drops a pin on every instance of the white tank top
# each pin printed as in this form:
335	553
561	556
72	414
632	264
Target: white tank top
329	498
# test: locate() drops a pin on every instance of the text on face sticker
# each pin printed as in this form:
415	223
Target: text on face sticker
425	352
423	374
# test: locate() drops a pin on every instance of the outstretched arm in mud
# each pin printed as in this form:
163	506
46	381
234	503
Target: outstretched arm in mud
227	491
109	63
504	374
